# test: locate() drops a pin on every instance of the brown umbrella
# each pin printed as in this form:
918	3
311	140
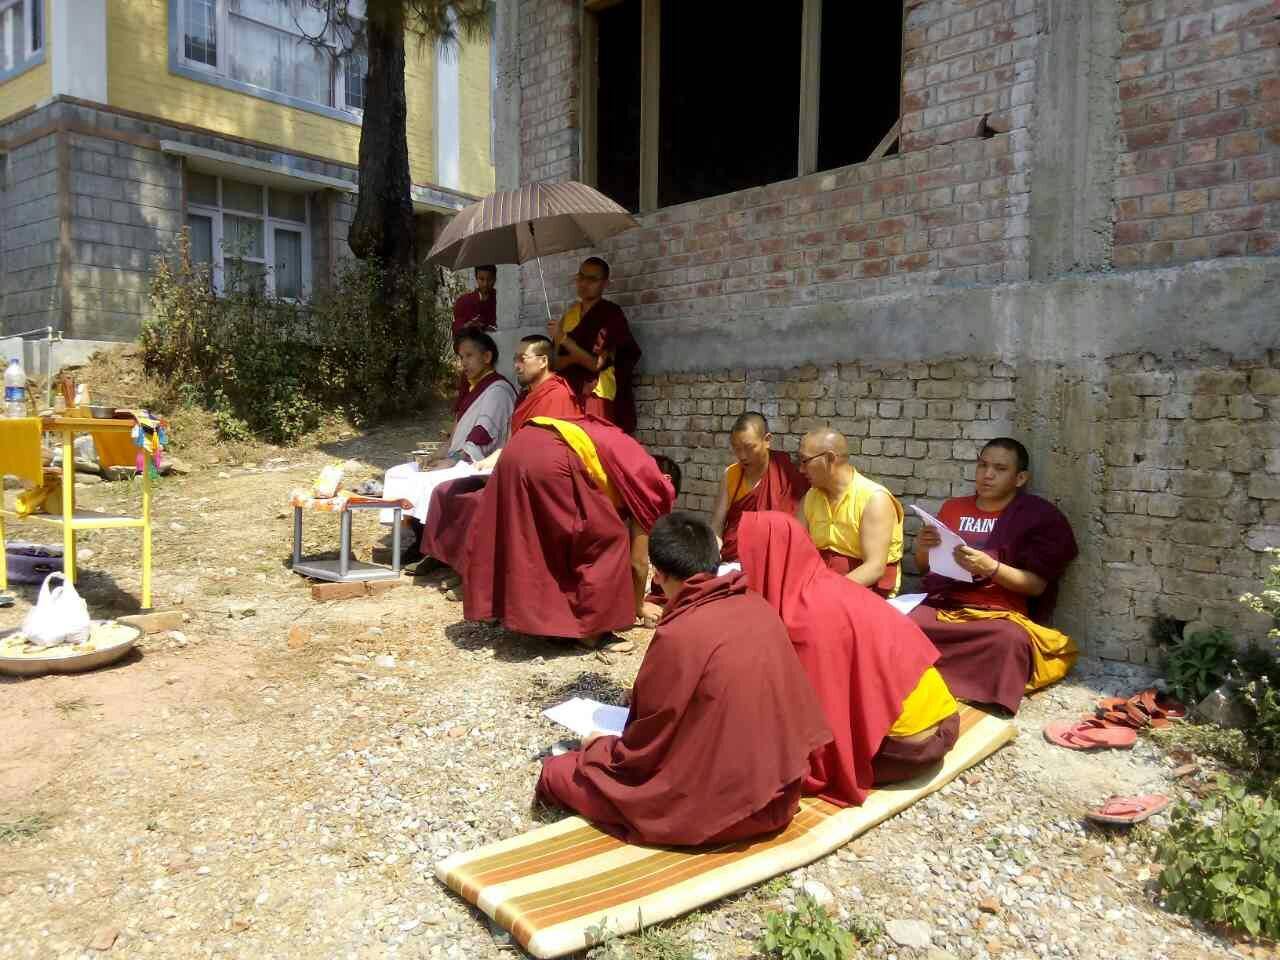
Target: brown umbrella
512	226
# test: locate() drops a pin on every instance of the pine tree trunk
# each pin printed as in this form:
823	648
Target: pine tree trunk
383	228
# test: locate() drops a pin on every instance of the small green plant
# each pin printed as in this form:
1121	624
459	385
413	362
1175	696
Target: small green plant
1222	862
866	928
1196	665
1263	734
272	368
23	828
1267	602
808	933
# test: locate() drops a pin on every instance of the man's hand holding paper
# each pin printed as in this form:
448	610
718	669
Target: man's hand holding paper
949	556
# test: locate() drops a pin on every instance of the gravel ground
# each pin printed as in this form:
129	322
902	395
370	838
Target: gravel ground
279	777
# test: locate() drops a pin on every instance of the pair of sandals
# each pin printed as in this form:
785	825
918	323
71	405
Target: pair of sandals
1116	724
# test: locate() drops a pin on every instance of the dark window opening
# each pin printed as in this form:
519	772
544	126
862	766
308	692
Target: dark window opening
730	88
860	92
618	104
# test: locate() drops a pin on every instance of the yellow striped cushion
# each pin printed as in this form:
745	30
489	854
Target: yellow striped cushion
548	886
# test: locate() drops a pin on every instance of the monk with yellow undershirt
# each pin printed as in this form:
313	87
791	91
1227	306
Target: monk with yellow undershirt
595	350
760	478
855	523
872	668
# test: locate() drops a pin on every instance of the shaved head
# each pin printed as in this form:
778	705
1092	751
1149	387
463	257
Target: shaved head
751	421
826	440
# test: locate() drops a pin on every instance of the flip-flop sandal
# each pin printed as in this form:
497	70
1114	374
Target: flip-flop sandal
1129	810
1089	734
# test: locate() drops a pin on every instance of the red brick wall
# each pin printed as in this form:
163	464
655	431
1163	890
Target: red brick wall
1199	169
952	208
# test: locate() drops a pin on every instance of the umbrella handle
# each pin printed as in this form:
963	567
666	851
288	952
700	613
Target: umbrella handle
543	279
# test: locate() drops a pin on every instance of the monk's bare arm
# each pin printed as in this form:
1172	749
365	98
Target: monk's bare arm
577	356
639	563
983	565
875	533
722	508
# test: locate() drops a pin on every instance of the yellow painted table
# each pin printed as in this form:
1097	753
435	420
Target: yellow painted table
72	519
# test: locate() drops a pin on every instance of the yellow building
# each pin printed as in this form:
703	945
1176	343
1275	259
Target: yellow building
121	121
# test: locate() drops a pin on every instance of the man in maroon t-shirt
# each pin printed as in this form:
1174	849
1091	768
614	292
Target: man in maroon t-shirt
1016	547
478	308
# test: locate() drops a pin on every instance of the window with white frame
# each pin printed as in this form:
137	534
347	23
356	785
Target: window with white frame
250	235
21	33
286	47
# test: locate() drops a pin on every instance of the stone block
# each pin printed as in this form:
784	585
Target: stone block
945	389
890	428
1265	487
1265	382
1144	384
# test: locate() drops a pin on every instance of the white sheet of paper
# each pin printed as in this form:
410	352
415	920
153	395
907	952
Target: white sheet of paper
907	602
405	481
726	568
584	716
941	559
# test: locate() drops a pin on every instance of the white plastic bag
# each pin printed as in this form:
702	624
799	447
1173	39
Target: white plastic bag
59	616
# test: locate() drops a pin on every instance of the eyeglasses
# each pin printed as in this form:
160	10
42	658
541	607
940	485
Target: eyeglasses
588	277
804	461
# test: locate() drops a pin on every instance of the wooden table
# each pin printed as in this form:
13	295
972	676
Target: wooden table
72	519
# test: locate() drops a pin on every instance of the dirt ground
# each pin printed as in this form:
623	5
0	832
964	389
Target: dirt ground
227	792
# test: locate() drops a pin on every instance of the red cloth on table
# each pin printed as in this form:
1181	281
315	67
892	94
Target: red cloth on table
604	330
469	307
862	657
721	726
550	555
781	488
453	507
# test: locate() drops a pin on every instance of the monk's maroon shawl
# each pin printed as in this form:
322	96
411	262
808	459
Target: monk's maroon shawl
453	505
646	492
1031	534
469	308
722	719
781	488
551	398
548	554
604	330
862	656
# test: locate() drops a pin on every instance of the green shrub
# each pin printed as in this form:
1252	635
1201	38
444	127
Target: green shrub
808	933
1196	666
272	368
1267	602
1222	862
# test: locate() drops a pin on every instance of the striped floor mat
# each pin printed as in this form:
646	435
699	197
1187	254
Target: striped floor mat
551	885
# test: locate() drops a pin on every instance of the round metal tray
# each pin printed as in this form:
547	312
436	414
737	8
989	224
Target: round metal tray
34	666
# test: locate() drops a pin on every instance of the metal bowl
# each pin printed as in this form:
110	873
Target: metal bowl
34	666
102	413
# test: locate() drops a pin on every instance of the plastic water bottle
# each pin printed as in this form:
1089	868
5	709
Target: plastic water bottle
15	389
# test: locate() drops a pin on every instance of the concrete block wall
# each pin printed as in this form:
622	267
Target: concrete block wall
126	206
1173	522
29	236
1198	174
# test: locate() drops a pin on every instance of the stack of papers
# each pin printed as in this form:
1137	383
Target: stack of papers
941	558
584	716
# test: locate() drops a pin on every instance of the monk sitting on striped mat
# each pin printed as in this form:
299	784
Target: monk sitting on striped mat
855	522
991	632
872	668
722	720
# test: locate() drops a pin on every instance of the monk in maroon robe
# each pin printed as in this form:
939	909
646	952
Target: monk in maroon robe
478	308
760	478
864	659
559	545
722	719
453	505
595	350
1017	546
